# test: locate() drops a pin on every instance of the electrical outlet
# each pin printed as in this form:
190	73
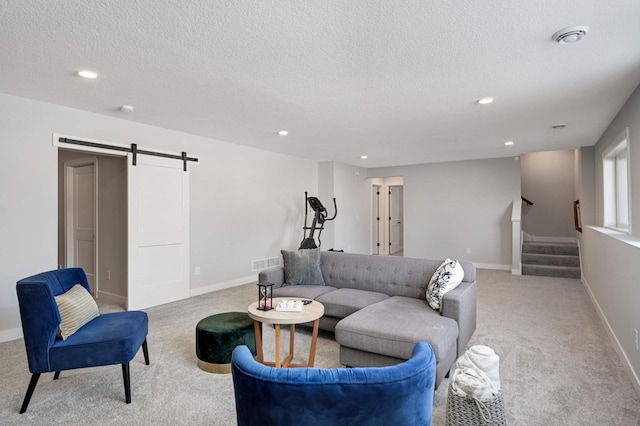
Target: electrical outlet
197	270
636	330
468	250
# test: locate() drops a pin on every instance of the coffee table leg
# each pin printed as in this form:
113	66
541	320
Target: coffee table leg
291	339
257	330
314	339
278	362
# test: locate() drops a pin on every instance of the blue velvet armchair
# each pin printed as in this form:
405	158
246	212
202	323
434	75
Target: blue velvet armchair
399	395
111	338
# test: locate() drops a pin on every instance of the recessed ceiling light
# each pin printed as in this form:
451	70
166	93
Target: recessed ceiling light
87	74
283	132
570	34
508	143
559	126
364	157
485	101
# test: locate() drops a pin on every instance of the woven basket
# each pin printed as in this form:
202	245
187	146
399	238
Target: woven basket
463	411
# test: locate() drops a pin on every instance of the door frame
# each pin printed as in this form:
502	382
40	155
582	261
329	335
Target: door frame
69	199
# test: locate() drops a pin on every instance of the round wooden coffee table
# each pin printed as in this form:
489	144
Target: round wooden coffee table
310	312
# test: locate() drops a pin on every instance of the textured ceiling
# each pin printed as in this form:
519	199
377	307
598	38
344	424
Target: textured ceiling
395	80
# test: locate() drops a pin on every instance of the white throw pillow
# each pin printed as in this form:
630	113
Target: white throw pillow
76	308
448	276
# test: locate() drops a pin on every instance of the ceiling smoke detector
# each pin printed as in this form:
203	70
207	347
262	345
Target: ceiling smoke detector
570	35
126	108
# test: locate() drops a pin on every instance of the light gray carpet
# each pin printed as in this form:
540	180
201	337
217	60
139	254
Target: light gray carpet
558	366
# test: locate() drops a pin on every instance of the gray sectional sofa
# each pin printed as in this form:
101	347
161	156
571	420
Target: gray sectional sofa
377	309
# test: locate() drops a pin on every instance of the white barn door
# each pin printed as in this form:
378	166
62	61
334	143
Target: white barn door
158	206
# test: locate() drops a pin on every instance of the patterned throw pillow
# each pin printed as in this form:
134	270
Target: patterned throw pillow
448	276
302	267
76	308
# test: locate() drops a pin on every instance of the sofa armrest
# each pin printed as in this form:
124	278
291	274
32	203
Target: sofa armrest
274	276
460	305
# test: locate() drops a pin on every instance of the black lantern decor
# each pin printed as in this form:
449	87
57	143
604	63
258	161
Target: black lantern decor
265	296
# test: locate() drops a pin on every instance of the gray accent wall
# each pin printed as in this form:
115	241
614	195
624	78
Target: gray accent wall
454	206
246	204
611	259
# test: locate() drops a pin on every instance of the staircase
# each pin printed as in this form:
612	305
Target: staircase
550	259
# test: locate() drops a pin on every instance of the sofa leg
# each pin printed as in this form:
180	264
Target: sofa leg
145	350
32	386
127	383
56	376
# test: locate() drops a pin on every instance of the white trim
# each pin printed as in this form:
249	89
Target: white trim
517	270
223	285
11	334
635	380
111	298
493	266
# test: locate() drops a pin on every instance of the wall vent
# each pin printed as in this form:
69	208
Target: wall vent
271	262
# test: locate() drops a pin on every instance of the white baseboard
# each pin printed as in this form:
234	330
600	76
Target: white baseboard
111	298
221	286
493	266
12	334
633	375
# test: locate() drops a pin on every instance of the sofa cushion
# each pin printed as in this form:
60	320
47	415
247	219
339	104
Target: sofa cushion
345	301
302	267
448	276
393	326
76	308
302	291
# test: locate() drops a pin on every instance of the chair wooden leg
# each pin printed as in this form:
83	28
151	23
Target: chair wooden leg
30	389
56	376
127	383
145	350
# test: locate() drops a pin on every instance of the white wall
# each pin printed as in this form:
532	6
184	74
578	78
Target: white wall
610	259
112	229
548	180
350	231
353	195
449	207
245	203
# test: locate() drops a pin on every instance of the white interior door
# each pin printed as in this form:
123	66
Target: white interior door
376	220
395	219
158	203
80	220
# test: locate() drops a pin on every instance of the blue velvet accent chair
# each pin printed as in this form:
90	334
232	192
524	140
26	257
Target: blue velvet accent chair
399	395
111	338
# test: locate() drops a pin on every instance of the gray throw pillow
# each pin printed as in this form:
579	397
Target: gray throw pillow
302	267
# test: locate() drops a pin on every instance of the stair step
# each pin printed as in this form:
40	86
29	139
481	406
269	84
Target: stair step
551	271
550	248
550	259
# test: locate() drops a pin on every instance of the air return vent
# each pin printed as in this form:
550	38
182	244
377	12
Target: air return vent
271	262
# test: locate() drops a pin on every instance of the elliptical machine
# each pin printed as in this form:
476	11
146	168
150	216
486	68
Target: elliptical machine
319	218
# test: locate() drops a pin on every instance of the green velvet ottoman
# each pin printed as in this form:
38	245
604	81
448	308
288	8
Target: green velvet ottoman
218	335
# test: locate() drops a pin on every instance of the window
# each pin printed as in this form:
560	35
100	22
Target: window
615	173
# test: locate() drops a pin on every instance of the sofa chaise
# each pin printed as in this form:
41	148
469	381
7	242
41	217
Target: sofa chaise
377	308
